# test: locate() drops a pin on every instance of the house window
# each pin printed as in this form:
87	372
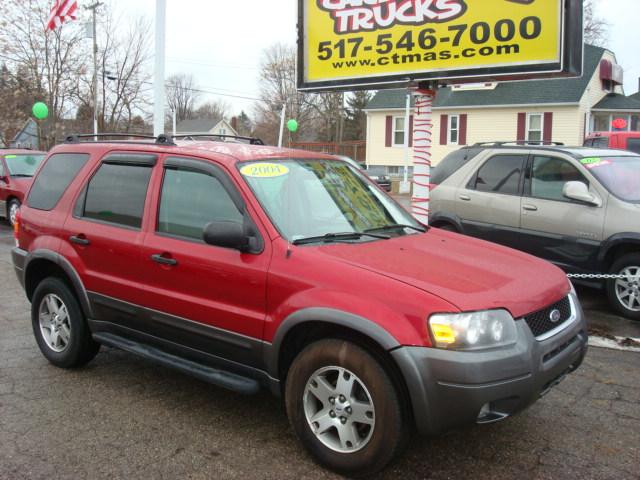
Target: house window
398	131
454	129
534	127
223	131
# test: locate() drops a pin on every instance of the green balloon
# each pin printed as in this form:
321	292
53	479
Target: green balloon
40	110
292	125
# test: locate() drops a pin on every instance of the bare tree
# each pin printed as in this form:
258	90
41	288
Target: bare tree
596	29
213	109
52	60
182	95
278	88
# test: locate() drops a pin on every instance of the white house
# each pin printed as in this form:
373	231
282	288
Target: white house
215	126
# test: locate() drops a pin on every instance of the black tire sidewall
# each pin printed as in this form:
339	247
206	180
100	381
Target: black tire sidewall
81	347
390	429
632	259
12	202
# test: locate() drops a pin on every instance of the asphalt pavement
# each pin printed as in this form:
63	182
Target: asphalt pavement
123	417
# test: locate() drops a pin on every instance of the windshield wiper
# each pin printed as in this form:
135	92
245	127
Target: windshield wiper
20	175
337	237
395	226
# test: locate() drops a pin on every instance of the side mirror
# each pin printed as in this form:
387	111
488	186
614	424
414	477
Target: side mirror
227	235
579	191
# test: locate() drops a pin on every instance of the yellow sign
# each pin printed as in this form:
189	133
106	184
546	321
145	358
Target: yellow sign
264	170
350	42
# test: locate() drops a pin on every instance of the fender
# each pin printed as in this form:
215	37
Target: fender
71	272
615	240
326	315
448	218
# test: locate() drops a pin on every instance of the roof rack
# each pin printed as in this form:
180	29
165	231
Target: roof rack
517	142
88	137
214	136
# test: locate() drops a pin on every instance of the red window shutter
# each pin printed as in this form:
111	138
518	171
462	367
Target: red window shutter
388	133
411	130
462	140
444	129
522	125
547	132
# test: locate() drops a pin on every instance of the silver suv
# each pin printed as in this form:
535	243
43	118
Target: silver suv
576	207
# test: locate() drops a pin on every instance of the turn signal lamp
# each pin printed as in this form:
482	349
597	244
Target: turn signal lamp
443	334
16	228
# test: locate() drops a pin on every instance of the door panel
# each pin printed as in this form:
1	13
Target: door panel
554	228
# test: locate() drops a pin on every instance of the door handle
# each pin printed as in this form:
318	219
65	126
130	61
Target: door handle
79	240
466	198
162	259
530	208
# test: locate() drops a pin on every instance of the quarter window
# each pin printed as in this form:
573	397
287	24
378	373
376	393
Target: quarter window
549	175
116	194
534	127
54	178
398	131
500	174
190	200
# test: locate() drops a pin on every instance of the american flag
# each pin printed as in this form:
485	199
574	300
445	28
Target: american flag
62	10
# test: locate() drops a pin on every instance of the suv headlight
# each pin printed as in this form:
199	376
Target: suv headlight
473	331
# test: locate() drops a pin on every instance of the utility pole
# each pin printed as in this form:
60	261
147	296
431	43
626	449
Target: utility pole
95	68
158	82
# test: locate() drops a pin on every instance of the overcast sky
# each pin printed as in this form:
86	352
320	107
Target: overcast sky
220	42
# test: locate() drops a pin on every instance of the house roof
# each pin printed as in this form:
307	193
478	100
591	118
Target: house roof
635	96
618	102
528	92
197	125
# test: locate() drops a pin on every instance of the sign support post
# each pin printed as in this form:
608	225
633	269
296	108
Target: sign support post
422	142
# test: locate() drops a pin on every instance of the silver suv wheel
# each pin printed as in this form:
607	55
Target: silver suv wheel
14	206
339	409
628	289
54	323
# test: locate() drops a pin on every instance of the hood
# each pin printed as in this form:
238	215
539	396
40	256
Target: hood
468	273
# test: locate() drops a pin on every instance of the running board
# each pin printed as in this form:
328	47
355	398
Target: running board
221	378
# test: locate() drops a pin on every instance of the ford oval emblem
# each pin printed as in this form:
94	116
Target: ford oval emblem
554	316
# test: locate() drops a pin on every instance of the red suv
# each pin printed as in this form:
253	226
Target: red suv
251	266
17	167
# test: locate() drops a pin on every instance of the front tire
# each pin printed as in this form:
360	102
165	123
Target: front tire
12	211
59	325
624	293
344	408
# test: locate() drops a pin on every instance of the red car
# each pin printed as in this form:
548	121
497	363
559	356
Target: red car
17	167
251	266
620	140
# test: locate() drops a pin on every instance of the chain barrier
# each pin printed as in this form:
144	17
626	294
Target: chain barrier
605	276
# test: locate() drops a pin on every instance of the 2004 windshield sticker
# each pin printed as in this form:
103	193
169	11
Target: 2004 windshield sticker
264	170
593	162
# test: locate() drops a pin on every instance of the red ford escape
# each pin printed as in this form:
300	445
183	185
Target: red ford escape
250	266
17	167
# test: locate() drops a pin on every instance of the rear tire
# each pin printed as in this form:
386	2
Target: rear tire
344	408
59	325
624	294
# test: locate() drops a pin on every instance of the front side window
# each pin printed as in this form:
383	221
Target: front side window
633	144
534	127
190	200
23	165
500	174
454	129
398	131
307	198
549	176
54	178
116	194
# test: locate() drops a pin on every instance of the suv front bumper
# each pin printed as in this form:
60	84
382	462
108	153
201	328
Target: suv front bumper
450	388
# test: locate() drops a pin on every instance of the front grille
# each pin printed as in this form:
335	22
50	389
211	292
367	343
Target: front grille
540	322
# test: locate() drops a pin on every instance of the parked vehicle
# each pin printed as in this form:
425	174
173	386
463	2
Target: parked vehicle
577	207
17	167
380	176
621	140
249	267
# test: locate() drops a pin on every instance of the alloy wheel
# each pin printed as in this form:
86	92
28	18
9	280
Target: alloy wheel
628	289
54	323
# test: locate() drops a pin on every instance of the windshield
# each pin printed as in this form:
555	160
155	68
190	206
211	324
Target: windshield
23	165
619	175
309	198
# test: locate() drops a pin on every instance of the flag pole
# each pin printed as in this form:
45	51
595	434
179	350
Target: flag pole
158	82
95	69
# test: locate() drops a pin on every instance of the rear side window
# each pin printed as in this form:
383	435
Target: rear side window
116	194
452	163
190	200
601	142
54	178
500	174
